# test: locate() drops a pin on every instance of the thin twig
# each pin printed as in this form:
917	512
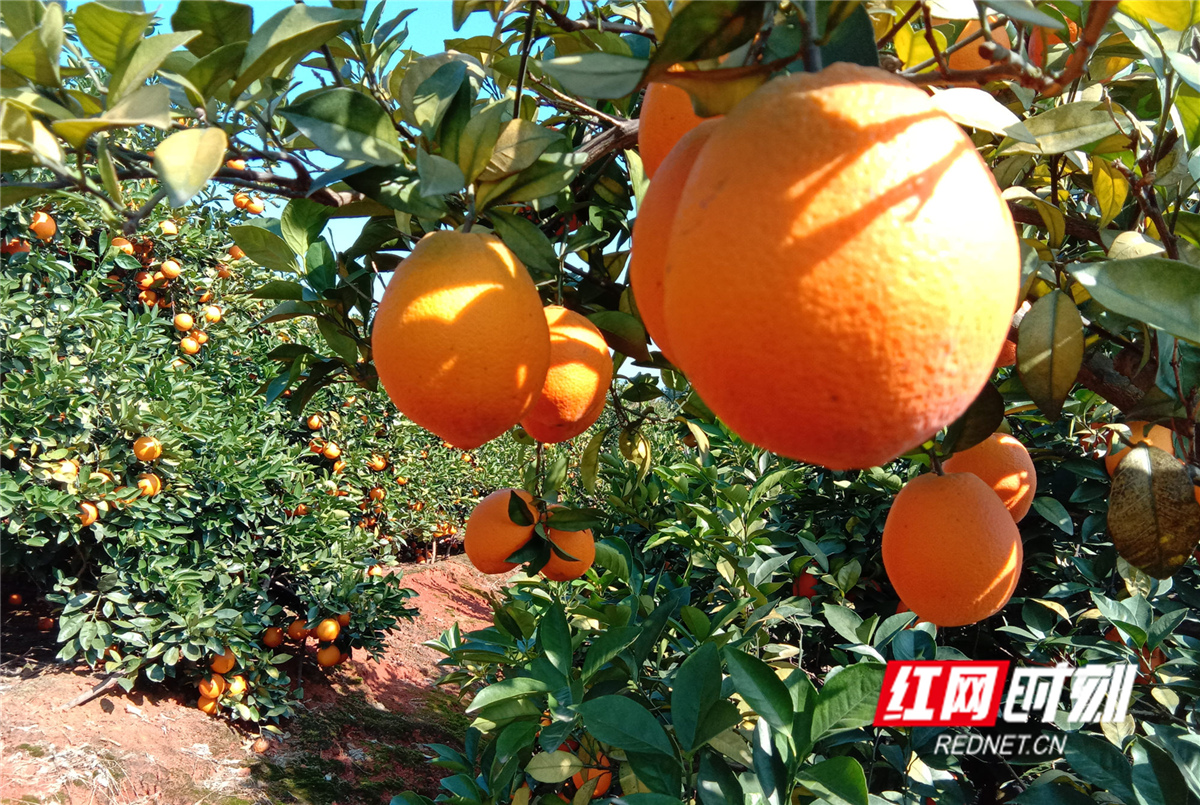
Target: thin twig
576	104
337	74
569	25
895	29
135	218
526	46
812	50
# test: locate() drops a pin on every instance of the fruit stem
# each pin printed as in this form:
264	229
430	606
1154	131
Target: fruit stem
935	461
469	221
812	51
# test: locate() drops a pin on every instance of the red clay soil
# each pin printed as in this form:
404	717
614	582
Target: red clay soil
356	740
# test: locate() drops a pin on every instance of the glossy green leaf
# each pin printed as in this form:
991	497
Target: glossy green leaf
1067	127
526	239
838	781
220	23
108	33
264	247
301	223
977	423
1111	189
1050	351
211	73
147	106
347	123
716	784
760	687
433	96
287	37
1055	513
596	75
623	332
697	687
506	689
848	700
1101	763
553	767
22	16
1163	293
708	30
976	109
478	139
1178	15
625	724
518	146
36	54
439	176
147	57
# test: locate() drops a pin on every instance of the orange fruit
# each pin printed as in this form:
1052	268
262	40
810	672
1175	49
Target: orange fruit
328	630
579	544
148	298
1139	431
147	448
374	570
88	513
208	705
168	228
339	465
652	229
343	619
255	206
212	314
213	686
224	663
951	549
223	272
43	226
460	341
301	509
149	484
1008	354
143	279
1042	39
237	686
261	746
205	297
377	463
377	493
401	480
14	600
184	322
314	422
491	535
45	624
805	586
170	269
273	637
328	656
236	164
604	772
1004	464
15	246
576	382
122	245
236	253
846	258
331	451
969	58
666	116
189	345
297	630
240	200
200	336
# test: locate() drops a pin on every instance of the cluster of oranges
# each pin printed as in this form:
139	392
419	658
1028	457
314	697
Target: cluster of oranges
147	450
494	533
219	685
43	227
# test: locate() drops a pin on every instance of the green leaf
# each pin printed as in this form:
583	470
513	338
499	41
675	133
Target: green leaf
264	247
549	174
1066	128
279	289
439	176
108	171
21	17
697	688
716	784
977	109
301	223
597	75
1161	292
220	24
761	689
187	159
526	240
398	188
341	342
147	57
291	309
109	34
1178	16
36	54
478	139
838	781
564	519
149	106
287	37
623	332
553	767
348	124
435	94
1055	513
847	701
625	724
507	689
708	30
1110	187
1101	764
214	70
1050	351
554	637
977	423
519	145
589	463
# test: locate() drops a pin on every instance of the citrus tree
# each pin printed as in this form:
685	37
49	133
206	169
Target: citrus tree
903	271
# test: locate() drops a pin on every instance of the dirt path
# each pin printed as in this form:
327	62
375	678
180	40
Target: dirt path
357	738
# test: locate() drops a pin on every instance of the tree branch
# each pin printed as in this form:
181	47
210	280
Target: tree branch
567	24
1075	227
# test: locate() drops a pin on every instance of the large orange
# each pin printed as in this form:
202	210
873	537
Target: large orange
603	770
666	116
821	294
648	257
460	341
576	382
1139	431
580	544
491	535
951	549
43	225
224	663
147	448
969	57
1004	464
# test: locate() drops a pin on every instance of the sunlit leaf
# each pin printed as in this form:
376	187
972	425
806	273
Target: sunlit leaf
187	159
1050	351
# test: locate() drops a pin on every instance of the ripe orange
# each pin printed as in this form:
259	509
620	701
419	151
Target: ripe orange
237	686
88	513
168	228
200	336
1139	431
208	705
491	535
343	619
255	206
261	746
327	630
189	345
301	510
15	246
460	341
339	465
1004	464
43	226
331	451
969	58
236	253
576	382
328	656
225	662
223	272
147	448
377	463
148	298
374	570
951	549
149	484
184	322
604	772
1008	354
805	586
45	624
170	269
1042	39
846	258
236	164
241	200
122	245
579	544
273	637
212	314
212	686
143	279
652	229
14	600
314	422
666	116
377	493
401	480
297	630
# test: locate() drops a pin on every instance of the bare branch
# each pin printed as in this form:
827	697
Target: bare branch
567	24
